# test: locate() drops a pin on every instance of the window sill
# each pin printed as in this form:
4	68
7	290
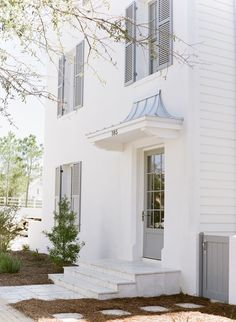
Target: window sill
67	116
150	78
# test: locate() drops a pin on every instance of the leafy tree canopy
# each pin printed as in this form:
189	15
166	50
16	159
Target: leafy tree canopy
33	25
20	164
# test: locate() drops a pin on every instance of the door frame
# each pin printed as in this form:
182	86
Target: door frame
147	152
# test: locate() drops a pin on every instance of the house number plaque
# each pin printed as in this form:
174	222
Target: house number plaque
114	132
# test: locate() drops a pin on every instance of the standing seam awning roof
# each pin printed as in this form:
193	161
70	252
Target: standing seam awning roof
150	109
150	106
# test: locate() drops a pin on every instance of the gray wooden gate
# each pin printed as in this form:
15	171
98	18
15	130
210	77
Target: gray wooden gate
214	267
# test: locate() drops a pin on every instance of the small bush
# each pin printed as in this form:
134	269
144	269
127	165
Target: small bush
64	235
25	248
9	227
9	264
37	255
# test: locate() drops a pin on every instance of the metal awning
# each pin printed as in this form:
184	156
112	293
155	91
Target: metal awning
147	118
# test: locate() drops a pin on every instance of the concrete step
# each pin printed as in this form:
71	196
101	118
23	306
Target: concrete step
109	278
83	287
106	279
106	268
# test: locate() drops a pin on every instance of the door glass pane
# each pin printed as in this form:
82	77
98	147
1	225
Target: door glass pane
157	182
150	200
162	219
150	164
157	219
150	218
162	179
157	200
162	200
155	194
157	163
150	178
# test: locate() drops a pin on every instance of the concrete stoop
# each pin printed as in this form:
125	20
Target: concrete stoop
107	279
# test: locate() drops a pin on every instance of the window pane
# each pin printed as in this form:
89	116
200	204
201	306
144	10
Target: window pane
157	200
162	200
157	182
150	200
157	161
149	219
162	219
150	182
157	219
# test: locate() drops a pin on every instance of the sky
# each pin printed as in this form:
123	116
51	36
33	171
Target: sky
28	119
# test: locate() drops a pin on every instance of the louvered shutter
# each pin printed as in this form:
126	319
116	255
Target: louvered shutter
60	87
130	46
57	188
160	34
79	76
76	189
153	42
68	86
165	32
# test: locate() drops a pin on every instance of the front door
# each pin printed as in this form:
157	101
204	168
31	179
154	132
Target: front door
154	198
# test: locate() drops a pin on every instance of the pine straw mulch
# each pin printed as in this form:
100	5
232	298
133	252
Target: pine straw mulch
35	268
41	310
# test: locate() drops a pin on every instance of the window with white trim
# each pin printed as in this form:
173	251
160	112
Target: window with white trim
71	80
157	30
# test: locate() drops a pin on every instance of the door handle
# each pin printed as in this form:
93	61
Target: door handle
143	215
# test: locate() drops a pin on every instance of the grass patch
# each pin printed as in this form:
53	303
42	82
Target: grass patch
9	264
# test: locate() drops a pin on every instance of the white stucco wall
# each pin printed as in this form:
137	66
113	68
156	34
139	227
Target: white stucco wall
112	182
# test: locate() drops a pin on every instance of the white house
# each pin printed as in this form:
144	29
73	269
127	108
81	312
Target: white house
148	155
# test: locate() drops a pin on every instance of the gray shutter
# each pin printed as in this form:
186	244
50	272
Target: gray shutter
61	84
153	42
57	188
68	86
79	76
130	46
76	189
160	34
165	33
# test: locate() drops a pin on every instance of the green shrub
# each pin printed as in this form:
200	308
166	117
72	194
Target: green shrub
9	264
9	227
25	248
64	235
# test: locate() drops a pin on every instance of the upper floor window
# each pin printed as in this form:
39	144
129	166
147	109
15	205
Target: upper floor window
159	35
71	80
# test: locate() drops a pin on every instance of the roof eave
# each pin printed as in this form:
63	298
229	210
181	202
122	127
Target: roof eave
114	137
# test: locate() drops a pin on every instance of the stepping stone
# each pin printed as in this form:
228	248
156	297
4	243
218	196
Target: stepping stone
155	309
189	305
68	317
115	312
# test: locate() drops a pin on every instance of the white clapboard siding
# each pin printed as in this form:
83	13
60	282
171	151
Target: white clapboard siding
217	106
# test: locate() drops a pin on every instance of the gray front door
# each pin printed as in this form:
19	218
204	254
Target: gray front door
154	207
